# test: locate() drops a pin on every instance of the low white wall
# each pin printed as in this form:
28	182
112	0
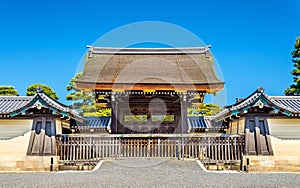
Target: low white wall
13	150
283	147
284	128
13	156
286	157
10	128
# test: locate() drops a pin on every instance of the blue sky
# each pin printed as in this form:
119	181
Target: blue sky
43	41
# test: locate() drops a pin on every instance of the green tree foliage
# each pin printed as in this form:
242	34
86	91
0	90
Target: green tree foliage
204	110
31	90
8	91
294	89
83	102
104	112
135	118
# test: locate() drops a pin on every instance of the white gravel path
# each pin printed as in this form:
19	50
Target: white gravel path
149	173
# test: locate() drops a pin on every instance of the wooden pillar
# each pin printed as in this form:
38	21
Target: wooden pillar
257	136
250	148
183	122
42	136
269	145
114	114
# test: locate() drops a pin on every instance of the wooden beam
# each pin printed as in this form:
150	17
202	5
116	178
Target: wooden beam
207	88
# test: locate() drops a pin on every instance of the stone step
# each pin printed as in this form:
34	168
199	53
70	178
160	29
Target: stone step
273	168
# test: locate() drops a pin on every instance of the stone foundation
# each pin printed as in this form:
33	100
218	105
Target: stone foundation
286	158
221	166
29	163
77	166
272	163
13	157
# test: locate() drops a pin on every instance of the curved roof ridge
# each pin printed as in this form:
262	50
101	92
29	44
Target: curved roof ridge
247	101
13	105
171	50
48	99
253	95
57	104
288	103
285	97
278	104
16	97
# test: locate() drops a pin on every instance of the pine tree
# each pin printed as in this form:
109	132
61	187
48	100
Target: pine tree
83	102
204	110
8	91
31	90
294	89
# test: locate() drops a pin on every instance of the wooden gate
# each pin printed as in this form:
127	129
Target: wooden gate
209	149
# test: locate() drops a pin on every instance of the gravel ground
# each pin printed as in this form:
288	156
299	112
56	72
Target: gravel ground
149	173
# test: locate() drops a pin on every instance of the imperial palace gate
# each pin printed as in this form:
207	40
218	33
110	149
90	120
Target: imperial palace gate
149	91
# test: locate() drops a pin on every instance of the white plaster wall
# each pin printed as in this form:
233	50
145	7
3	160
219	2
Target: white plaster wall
237	127
283	147
284	128
10	128
58	126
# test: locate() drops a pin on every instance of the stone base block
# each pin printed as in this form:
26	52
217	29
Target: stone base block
29	163
273	163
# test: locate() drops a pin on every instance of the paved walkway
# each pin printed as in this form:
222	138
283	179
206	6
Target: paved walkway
149	173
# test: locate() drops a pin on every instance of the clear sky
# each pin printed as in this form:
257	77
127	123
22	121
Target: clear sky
43	41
